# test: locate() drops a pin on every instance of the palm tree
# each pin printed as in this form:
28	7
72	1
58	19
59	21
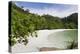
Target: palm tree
74	45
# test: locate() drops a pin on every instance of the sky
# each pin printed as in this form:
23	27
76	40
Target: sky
59	10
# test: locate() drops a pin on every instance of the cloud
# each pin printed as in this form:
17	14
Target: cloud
60	10
53	11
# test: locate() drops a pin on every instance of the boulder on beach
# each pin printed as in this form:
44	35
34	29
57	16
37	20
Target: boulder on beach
49	49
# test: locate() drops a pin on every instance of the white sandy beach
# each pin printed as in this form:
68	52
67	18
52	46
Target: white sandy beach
46	38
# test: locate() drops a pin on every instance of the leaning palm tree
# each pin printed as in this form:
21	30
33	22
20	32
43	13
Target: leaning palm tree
73	45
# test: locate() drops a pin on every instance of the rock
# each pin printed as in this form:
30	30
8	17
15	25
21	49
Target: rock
49	49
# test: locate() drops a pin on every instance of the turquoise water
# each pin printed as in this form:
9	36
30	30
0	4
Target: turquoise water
63	38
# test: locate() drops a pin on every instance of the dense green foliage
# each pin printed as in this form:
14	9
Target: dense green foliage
25	24
71	22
